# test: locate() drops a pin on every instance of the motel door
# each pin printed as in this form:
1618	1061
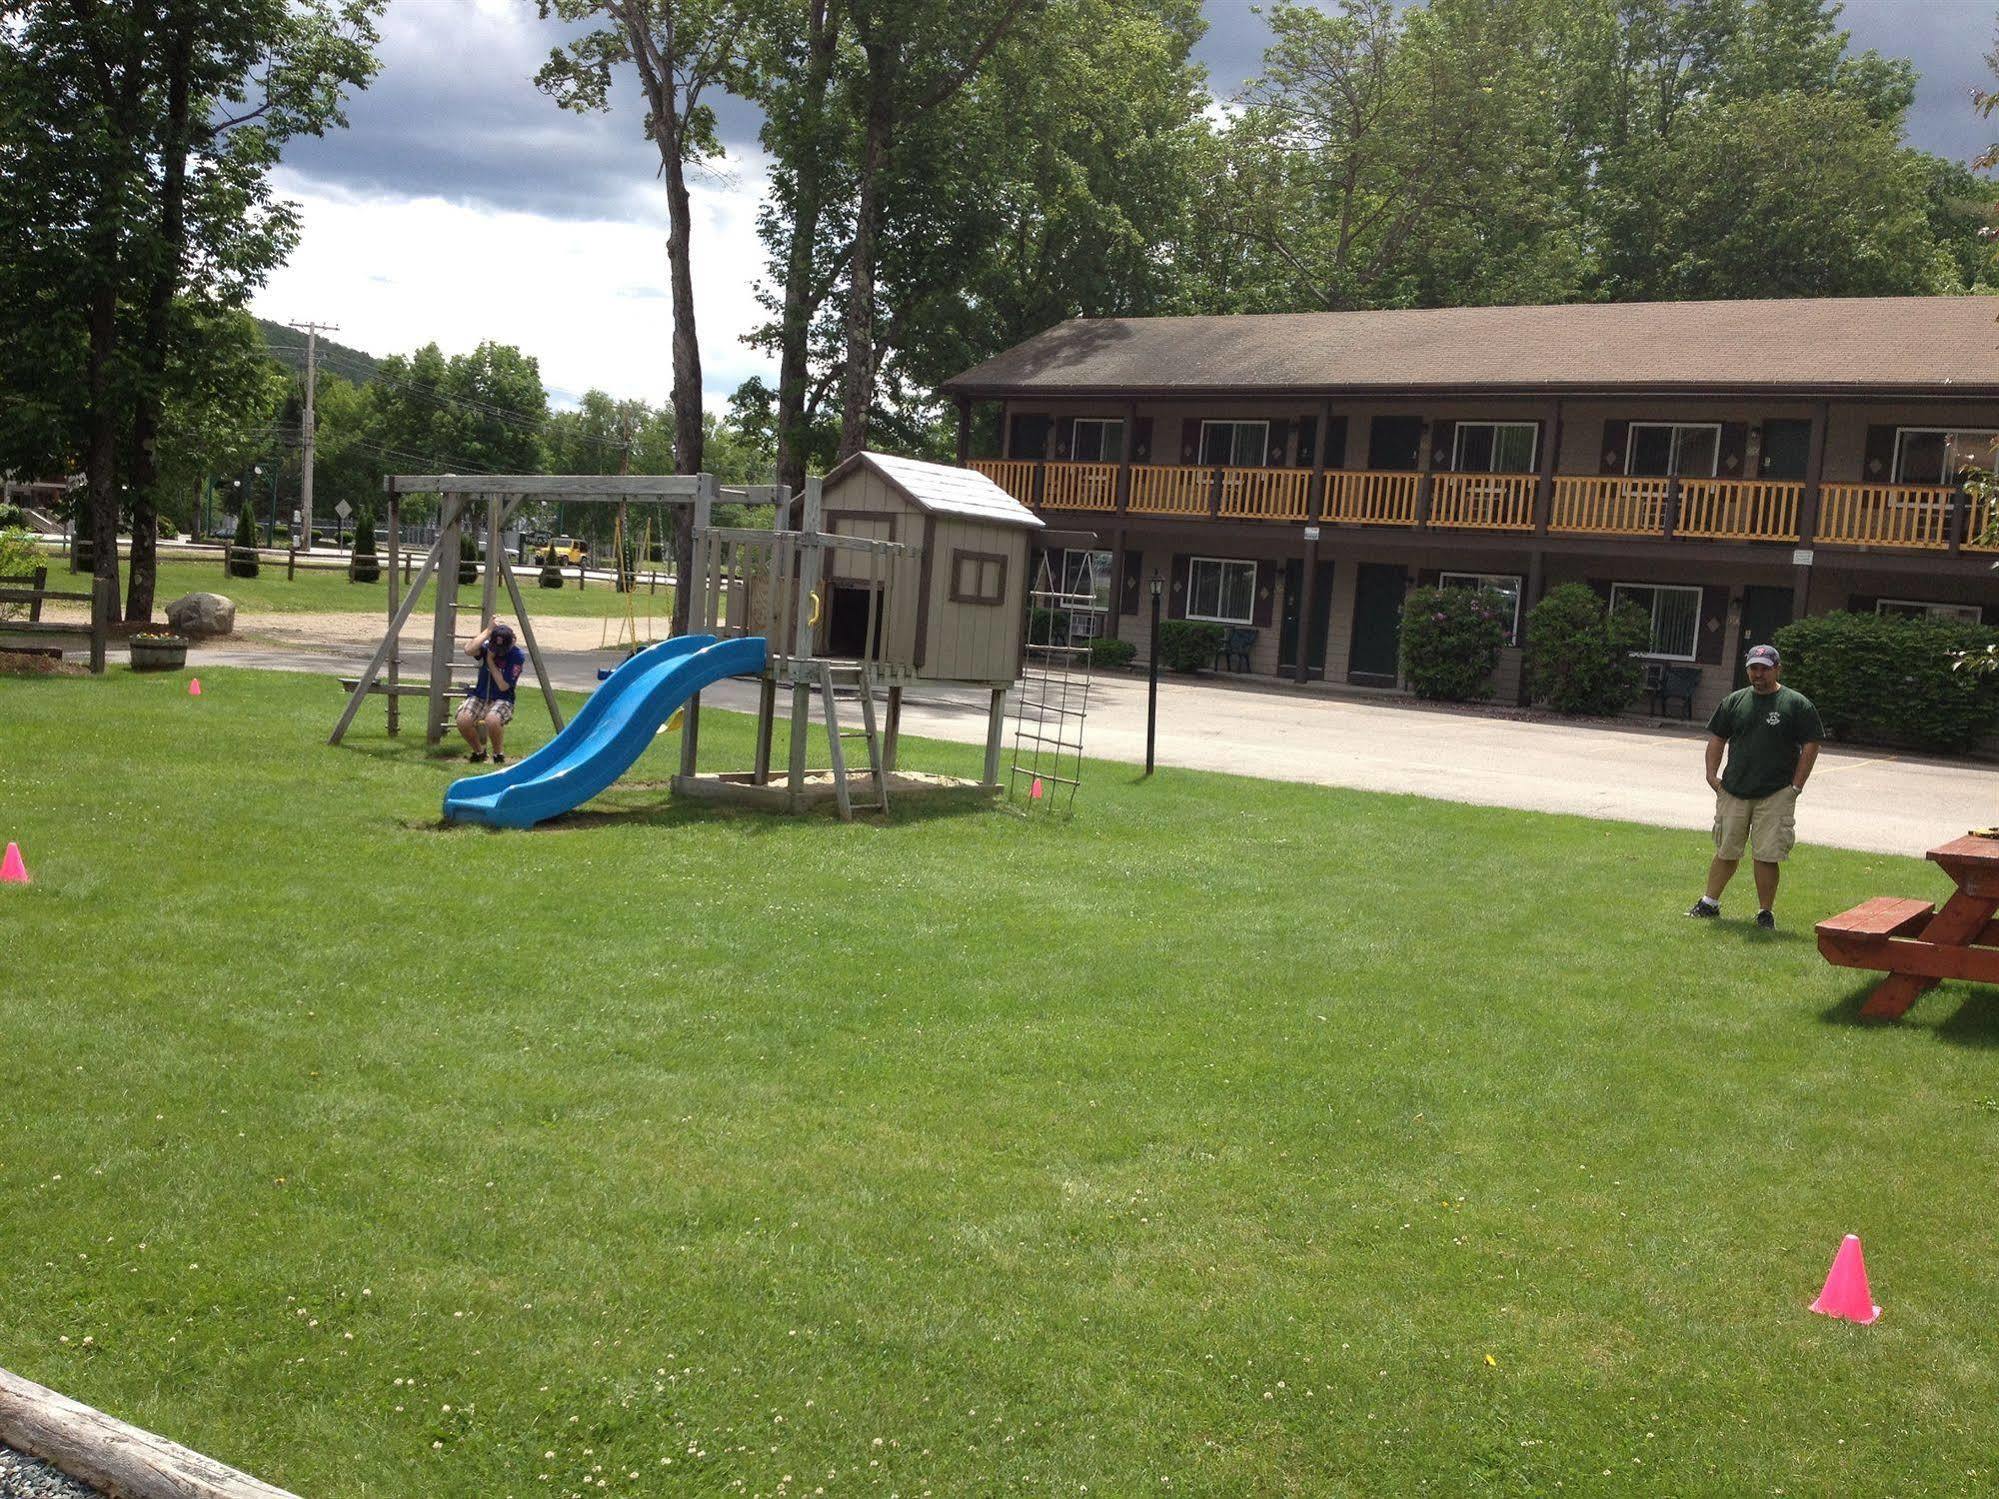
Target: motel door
1377	625
1322	618
1765	611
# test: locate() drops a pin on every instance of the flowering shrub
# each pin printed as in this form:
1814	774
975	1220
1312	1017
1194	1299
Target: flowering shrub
1581	655
1451	639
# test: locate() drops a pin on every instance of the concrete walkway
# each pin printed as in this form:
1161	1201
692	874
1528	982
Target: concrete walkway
1864	799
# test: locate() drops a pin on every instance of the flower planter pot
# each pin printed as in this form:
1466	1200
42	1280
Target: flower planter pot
158	655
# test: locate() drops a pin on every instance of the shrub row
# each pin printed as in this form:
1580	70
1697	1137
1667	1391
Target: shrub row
1451	639
1890	678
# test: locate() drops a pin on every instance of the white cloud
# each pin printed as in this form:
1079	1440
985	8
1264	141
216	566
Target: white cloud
588	298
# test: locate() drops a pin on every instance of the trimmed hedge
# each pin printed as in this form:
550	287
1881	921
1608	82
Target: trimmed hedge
367	566
243	555
1887	677
1185	645
1451	639
1582	656
1111	654
550	575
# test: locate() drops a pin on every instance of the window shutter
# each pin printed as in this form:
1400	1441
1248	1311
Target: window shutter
1862	603
1263	607
1176	588
1280	445
1708	643
1429	577
1190	439
1443	446
1134	582
1734	456
1141	450
1616	436
1877	466
1336	443
1600	587
1064	432
1308	442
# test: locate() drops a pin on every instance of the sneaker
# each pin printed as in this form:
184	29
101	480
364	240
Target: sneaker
499	759
477	759
1704	907
1767	921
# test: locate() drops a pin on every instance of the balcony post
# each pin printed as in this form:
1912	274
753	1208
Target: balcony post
1423	484
1808	510
1124	464
1315	505
1315	497
1544	487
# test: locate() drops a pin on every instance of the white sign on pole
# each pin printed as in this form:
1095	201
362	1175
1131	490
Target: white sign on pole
343	510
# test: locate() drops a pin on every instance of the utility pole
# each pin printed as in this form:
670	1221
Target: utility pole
311	332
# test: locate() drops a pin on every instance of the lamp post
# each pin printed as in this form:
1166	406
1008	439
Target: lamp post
1158	587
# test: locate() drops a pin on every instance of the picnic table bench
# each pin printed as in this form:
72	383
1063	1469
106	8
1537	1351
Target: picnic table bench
1916	944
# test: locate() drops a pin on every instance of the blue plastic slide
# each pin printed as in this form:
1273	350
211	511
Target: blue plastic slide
600	743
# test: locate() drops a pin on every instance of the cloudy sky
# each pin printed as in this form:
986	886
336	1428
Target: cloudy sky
461	204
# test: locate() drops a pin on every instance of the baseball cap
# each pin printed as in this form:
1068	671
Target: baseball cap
1761	655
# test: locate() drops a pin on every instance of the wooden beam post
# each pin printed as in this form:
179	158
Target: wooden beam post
892	730
444	616
766	729
489	595
995	732
698	608
395	603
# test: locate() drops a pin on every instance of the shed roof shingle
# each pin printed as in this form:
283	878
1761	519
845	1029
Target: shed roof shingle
1821	344
942	490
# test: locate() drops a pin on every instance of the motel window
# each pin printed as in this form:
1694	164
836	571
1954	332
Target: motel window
1495	448
1221	590
1097	441
1675	613
1506	584
1087	575
978	577
1658	449
1936	455
1969	614
1235	444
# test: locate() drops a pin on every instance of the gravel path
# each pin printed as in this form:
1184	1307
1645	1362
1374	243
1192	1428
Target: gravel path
24	1477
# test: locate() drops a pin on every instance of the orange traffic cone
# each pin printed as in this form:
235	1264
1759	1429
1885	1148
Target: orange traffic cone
1034	793
194	686
12	870
1846	1294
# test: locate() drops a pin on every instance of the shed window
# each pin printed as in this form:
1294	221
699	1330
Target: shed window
1506	584
977	577
1934	455
1675	613
1098	441
1970	614
1221	590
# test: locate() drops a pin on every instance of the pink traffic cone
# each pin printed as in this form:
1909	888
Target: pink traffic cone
194	686
1846	1294
12	870
1035	794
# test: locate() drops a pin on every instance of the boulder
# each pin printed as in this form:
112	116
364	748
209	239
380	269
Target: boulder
201	615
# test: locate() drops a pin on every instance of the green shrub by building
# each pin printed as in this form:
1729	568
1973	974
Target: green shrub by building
1889	677
243	555
1185	645
1581	655
1451	639
1111	654
367	566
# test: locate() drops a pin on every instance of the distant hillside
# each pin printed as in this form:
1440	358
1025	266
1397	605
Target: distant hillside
287	346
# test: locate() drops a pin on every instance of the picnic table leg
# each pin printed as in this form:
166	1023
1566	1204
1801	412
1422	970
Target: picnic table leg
1962	918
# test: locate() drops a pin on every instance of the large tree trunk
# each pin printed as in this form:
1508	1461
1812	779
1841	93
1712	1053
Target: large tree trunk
808	198
857	384
687	434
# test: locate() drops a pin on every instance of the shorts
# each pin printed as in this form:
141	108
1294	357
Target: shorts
479	709
1767	826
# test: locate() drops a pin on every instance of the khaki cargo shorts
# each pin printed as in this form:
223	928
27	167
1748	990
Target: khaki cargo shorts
1767	826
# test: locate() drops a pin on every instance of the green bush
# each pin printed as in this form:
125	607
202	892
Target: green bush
19	557
1111	654
367	566
1451	639
551	575
1187	646
468	559
11	517
1889	677
243	556
1582	656
164	526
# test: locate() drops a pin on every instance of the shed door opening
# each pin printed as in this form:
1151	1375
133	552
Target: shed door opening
847	622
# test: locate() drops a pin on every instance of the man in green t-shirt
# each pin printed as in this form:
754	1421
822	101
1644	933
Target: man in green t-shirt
1772	736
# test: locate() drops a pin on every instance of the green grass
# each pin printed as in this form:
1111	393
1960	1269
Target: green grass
324	592
1232	1138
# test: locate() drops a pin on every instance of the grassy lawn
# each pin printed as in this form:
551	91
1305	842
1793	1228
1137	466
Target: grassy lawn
329	592
1233	1138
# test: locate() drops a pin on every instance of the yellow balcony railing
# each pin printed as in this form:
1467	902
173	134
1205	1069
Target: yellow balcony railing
1266	493
1980	524
1371	497
1158	489
1080	486
1889	515
1614	506
1485	502
1739	509
1014	475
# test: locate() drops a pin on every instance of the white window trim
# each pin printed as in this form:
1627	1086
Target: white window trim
1482	580
1673	458
1110	571
1076	437
1935	609
1534	449
1263	448
1657	588
1895	467
1221	619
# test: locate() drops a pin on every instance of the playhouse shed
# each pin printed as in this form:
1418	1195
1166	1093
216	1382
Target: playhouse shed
971	603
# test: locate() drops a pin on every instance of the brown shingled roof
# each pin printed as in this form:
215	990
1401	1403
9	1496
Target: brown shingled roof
1829	344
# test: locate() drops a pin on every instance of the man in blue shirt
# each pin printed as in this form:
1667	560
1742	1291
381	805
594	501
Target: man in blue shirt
489	707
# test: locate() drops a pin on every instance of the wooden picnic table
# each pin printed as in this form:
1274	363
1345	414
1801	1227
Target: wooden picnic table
1915	944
